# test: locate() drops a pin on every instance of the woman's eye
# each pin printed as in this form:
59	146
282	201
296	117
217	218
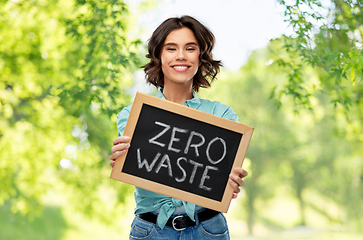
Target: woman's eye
190	49
171	49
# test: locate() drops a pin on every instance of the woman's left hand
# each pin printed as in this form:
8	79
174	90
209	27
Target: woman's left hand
236	181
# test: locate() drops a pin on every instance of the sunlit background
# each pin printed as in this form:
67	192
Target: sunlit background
67	67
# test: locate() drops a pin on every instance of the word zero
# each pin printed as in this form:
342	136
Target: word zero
188	144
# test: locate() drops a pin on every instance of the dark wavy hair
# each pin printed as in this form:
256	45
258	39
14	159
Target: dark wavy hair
209	67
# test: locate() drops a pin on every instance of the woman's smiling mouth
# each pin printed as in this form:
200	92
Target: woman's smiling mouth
180	68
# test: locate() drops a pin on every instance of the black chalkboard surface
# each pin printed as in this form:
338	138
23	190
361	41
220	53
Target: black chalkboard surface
182	152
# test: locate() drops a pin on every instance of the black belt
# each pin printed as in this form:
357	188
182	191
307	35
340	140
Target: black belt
180	222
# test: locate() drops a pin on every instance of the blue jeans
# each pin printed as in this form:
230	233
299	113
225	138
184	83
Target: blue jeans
213	228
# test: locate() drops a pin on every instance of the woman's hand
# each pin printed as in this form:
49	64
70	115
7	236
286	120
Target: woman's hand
120	145
236	181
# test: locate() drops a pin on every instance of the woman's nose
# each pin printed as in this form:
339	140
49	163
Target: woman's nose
181	55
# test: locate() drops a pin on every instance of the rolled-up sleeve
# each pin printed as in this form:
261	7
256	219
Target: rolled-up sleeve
122	118
230	114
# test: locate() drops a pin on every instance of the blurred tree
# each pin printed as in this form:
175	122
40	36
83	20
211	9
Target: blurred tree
296	150
328	36
64	68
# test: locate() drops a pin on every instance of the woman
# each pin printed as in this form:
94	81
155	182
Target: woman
181	61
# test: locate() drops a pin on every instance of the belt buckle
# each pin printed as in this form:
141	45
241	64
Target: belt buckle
173	224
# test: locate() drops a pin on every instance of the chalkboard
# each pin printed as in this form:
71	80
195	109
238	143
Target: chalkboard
181	152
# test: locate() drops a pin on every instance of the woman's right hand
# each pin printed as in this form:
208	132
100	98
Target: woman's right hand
120	145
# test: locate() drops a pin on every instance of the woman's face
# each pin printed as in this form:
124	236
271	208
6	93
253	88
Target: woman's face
180	57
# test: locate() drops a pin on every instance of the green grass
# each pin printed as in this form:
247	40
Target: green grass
51	225
57	223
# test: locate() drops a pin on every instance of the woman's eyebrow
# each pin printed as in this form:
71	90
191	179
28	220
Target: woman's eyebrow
170	44
174	44
192	43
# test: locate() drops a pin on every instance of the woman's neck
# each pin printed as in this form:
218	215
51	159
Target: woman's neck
178	94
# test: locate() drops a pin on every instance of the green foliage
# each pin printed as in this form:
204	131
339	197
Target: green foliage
99	28
328	38
64	68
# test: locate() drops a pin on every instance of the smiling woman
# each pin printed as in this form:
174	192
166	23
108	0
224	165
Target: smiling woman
181	61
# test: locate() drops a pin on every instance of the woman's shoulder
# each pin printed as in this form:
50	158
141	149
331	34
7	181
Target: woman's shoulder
218	109
125	110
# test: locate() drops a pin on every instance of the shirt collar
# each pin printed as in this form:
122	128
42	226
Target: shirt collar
195	102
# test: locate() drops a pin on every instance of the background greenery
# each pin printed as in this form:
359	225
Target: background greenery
66	68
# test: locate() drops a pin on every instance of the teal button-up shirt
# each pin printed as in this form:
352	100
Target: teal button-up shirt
147	201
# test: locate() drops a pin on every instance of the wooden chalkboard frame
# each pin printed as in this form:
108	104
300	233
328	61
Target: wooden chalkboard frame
140	100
